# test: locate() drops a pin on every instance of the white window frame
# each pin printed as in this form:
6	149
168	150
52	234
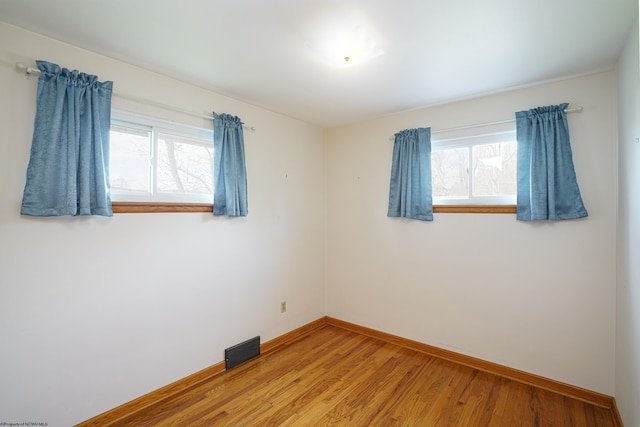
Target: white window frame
469	142
156	126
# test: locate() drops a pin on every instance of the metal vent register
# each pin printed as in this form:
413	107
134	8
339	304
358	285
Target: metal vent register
240	353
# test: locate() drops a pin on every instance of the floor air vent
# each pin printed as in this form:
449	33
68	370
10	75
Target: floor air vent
239	353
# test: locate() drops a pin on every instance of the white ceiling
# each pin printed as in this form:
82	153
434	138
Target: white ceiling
259	51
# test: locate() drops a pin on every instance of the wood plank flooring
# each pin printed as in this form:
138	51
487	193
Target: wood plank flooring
334	377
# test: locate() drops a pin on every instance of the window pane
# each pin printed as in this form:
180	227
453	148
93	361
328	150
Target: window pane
184	165
129	159
450	172
494	169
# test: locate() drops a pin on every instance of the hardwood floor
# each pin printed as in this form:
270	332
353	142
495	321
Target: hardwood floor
334	377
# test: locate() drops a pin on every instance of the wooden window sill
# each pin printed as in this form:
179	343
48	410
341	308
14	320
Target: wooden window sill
483	209
147	207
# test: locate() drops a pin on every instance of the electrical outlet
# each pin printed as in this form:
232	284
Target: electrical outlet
283	307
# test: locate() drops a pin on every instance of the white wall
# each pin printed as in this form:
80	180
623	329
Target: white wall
539	297
627	375
97	311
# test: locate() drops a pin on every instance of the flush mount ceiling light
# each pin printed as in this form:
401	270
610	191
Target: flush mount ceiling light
349	47
360	47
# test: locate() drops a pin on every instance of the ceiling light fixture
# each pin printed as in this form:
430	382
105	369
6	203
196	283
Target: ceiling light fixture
350	47
361	46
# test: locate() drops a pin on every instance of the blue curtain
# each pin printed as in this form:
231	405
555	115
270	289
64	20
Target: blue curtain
547	185
410	188
230	174
68	172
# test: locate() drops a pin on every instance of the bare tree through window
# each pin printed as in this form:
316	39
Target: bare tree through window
466	170
184	166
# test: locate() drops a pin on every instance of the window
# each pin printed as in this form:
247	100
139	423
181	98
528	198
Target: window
477	170
153	160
